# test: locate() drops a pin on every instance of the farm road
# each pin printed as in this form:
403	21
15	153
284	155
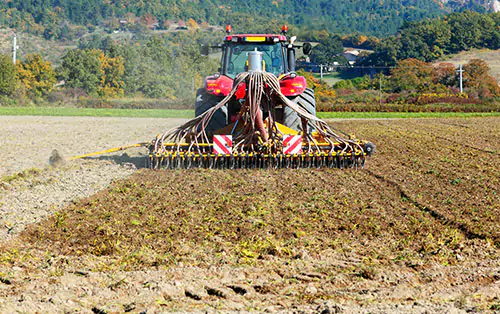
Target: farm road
27	141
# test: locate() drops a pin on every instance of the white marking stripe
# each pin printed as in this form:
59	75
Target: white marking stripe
292	144
223	144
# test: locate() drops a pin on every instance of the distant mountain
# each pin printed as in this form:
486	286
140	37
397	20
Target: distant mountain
474	5
62	18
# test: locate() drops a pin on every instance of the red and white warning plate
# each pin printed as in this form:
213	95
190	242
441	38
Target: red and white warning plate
223	144
292	144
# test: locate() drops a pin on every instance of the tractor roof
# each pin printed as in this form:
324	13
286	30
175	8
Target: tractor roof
255	38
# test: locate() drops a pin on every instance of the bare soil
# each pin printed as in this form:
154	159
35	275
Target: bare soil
30	189
27	142
416	231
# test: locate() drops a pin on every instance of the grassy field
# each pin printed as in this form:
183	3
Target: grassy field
93	112
171	113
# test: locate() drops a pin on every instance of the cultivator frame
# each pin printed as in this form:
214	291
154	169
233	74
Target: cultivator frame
315	153
174	159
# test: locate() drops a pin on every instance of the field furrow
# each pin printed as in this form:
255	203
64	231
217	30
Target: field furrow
416	230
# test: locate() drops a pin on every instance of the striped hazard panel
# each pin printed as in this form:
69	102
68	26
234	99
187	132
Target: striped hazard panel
223	144
292	144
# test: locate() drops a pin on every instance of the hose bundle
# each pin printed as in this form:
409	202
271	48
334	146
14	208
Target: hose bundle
256	134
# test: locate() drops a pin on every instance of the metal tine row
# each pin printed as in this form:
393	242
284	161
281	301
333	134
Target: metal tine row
255	162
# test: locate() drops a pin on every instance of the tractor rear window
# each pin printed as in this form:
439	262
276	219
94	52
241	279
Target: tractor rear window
237	55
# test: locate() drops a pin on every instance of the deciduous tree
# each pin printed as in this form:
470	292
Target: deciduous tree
476	78
81	69
7	75
328	51
36	75
412	75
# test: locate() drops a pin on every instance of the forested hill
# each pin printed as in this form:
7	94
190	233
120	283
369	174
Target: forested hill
52	18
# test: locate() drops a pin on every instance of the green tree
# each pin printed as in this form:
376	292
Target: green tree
94	72
81	69
7	75
386	53
328	51
472	30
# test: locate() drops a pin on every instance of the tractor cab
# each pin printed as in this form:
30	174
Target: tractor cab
278	58
237	47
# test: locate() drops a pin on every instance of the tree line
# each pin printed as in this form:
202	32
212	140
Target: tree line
429	40
414	76
154	68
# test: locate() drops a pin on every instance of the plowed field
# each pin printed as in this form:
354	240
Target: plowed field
416	230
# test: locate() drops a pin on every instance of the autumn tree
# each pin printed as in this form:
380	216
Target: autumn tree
477	79
150	21
36	75
192	24
445	74
412	75
111	82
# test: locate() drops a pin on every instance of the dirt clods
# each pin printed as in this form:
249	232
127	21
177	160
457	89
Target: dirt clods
416	231
56	159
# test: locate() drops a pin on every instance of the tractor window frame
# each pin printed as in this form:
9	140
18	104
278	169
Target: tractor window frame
228	56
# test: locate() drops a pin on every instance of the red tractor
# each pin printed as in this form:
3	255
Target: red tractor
278	58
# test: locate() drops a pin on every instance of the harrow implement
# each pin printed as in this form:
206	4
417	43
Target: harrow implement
256	139
175	159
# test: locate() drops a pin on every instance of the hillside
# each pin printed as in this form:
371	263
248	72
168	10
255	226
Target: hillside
64	19
28	44
492	57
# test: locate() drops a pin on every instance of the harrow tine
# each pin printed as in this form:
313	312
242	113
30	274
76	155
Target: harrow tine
245	160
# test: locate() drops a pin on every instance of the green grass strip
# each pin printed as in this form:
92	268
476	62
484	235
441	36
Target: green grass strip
173	113
405	115
94	112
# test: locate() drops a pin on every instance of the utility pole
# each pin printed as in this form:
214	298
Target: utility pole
14	49
461	78
321	71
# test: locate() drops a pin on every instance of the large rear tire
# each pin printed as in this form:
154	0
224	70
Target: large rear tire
292	119
204	102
